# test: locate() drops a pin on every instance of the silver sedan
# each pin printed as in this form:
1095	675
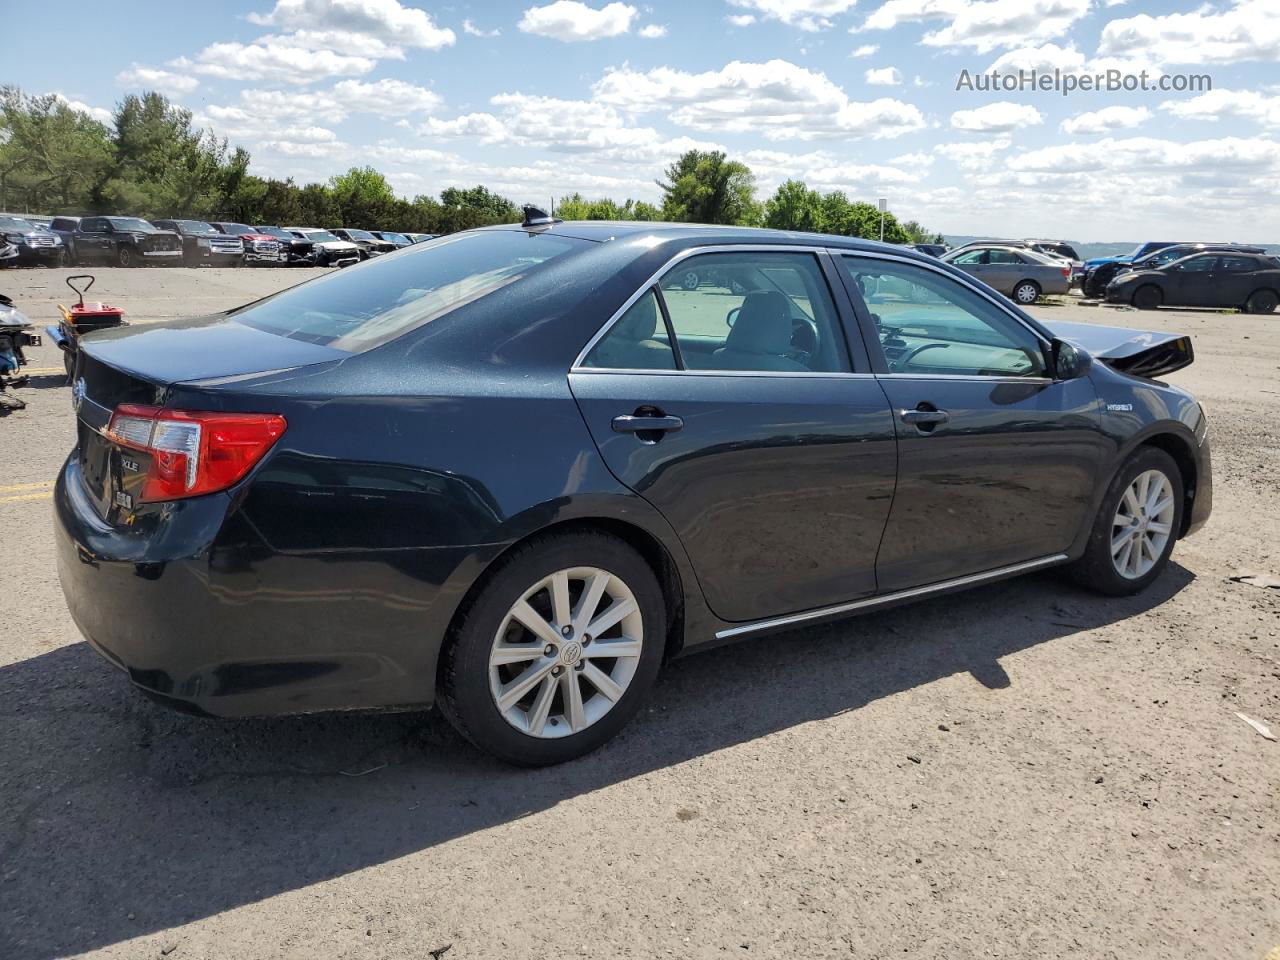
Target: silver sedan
1022	275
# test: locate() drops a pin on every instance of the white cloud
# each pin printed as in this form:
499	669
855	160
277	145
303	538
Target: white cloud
808	15
152	78
883	76
778	100
1217	104
983	25
653	31
866	50
101	114
1245	30
387	97
337	41
972	156
571	21
385	20
314	150
273	62
741	19
1042	59
471	29
1227	157
1106	120
999	117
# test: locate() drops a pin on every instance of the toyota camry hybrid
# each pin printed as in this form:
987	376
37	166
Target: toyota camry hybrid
512	470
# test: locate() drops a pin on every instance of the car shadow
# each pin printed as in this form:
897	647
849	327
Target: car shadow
122	818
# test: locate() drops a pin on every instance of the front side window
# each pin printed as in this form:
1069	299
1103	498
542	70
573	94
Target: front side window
1196	264
93	225
929	324
355	310
754	311
637	341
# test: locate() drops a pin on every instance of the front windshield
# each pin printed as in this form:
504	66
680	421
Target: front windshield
361	235
194	226
16	223
237	228
359	308
276	232
322	236
132	223
394	237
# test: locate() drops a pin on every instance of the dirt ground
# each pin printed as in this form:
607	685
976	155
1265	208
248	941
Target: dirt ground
1021	771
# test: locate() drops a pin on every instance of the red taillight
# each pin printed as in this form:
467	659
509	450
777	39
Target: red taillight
193	453
1066	273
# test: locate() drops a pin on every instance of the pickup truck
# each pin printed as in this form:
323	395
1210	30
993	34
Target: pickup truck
34	245
124	241
203	244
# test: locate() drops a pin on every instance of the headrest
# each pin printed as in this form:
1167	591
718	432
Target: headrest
763	325
640	322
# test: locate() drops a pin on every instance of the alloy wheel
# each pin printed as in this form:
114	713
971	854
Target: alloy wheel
1142	525
566	652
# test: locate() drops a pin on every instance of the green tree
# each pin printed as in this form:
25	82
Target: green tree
51	157
706	187
794	206
363	197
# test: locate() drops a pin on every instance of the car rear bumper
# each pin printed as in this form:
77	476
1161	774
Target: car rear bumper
1202	502
200	611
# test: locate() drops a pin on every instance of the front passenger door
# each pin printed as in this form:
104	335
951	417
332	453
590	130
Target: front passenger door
997	461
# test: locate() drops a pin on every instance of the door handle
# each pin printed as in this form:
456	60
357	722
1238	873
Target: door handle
924	418
627	423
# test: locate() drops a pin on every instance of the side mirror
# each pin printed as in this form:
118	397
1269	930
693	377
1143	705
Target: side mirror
1069	362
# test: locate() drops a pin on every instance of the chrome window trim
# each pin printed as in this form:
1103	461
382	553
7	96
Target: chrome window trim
576	366
803	374
870	602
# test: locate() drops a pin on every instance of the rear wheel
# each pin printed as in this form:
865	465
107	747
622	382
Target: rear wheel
125	256
1148	297
1026	292
1134	532
1262	301
557	651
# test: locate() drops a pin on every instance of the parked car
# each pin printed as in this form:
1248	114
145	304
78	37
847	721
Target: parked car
1019	273
1137	253
330	251
1250	282
1100	277
932	249
398	239
298	251
351	441
258	247
202	244
35	246
421	237
124	241
370	246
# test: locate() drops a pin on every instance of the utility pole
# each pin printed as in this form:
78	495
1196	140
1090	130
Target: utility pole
884	205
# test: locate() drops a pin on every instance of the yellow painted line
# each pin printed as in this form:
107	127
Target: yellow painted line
25	486
47	495
42	371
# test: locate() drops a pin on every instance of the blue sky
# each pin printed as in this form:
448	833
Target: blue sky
538	99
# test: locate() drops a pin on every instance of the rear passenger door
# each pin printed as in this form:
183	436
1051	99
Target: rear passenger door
1236	279
726	394
1004	269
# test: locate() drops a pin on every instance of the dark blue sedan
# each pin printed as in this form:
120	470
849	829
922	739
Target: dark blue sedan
512	470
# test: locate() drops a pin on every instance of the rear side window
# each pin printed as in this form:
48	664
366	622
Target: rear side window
361	307
638	341
1239	264
1004	256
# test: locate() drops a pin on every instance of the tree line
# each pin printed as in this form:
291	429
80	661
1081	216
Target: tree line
150	161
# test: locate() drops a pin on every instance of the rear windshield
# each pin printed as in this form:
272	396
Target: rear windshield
362	306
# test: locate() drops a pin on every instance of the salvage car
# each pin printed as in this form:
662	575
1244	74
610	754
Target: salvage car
370	246
330	251
1249	282
34	246
1016	272
124	241
1100	277
298	252
1090	287
202	244
512	470
258	247
421	237
398	239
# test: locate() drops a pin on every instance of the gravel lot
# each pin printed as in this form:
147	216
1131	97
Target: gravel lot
1021	771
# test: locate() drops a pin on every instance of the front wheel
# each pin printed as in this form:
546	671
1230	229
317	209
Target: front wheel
1148	297
557	651
1136	526
65	259
1026	293
1263	301
125	257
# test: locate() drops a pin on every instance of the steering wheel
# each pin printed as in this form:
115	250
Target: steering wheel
905	361
804	340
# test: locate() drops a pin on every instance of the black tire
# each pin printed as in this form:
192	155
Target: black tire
125	257
1262	301
69	364
65	259
463	692
1096	569
1026	292
1148	297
